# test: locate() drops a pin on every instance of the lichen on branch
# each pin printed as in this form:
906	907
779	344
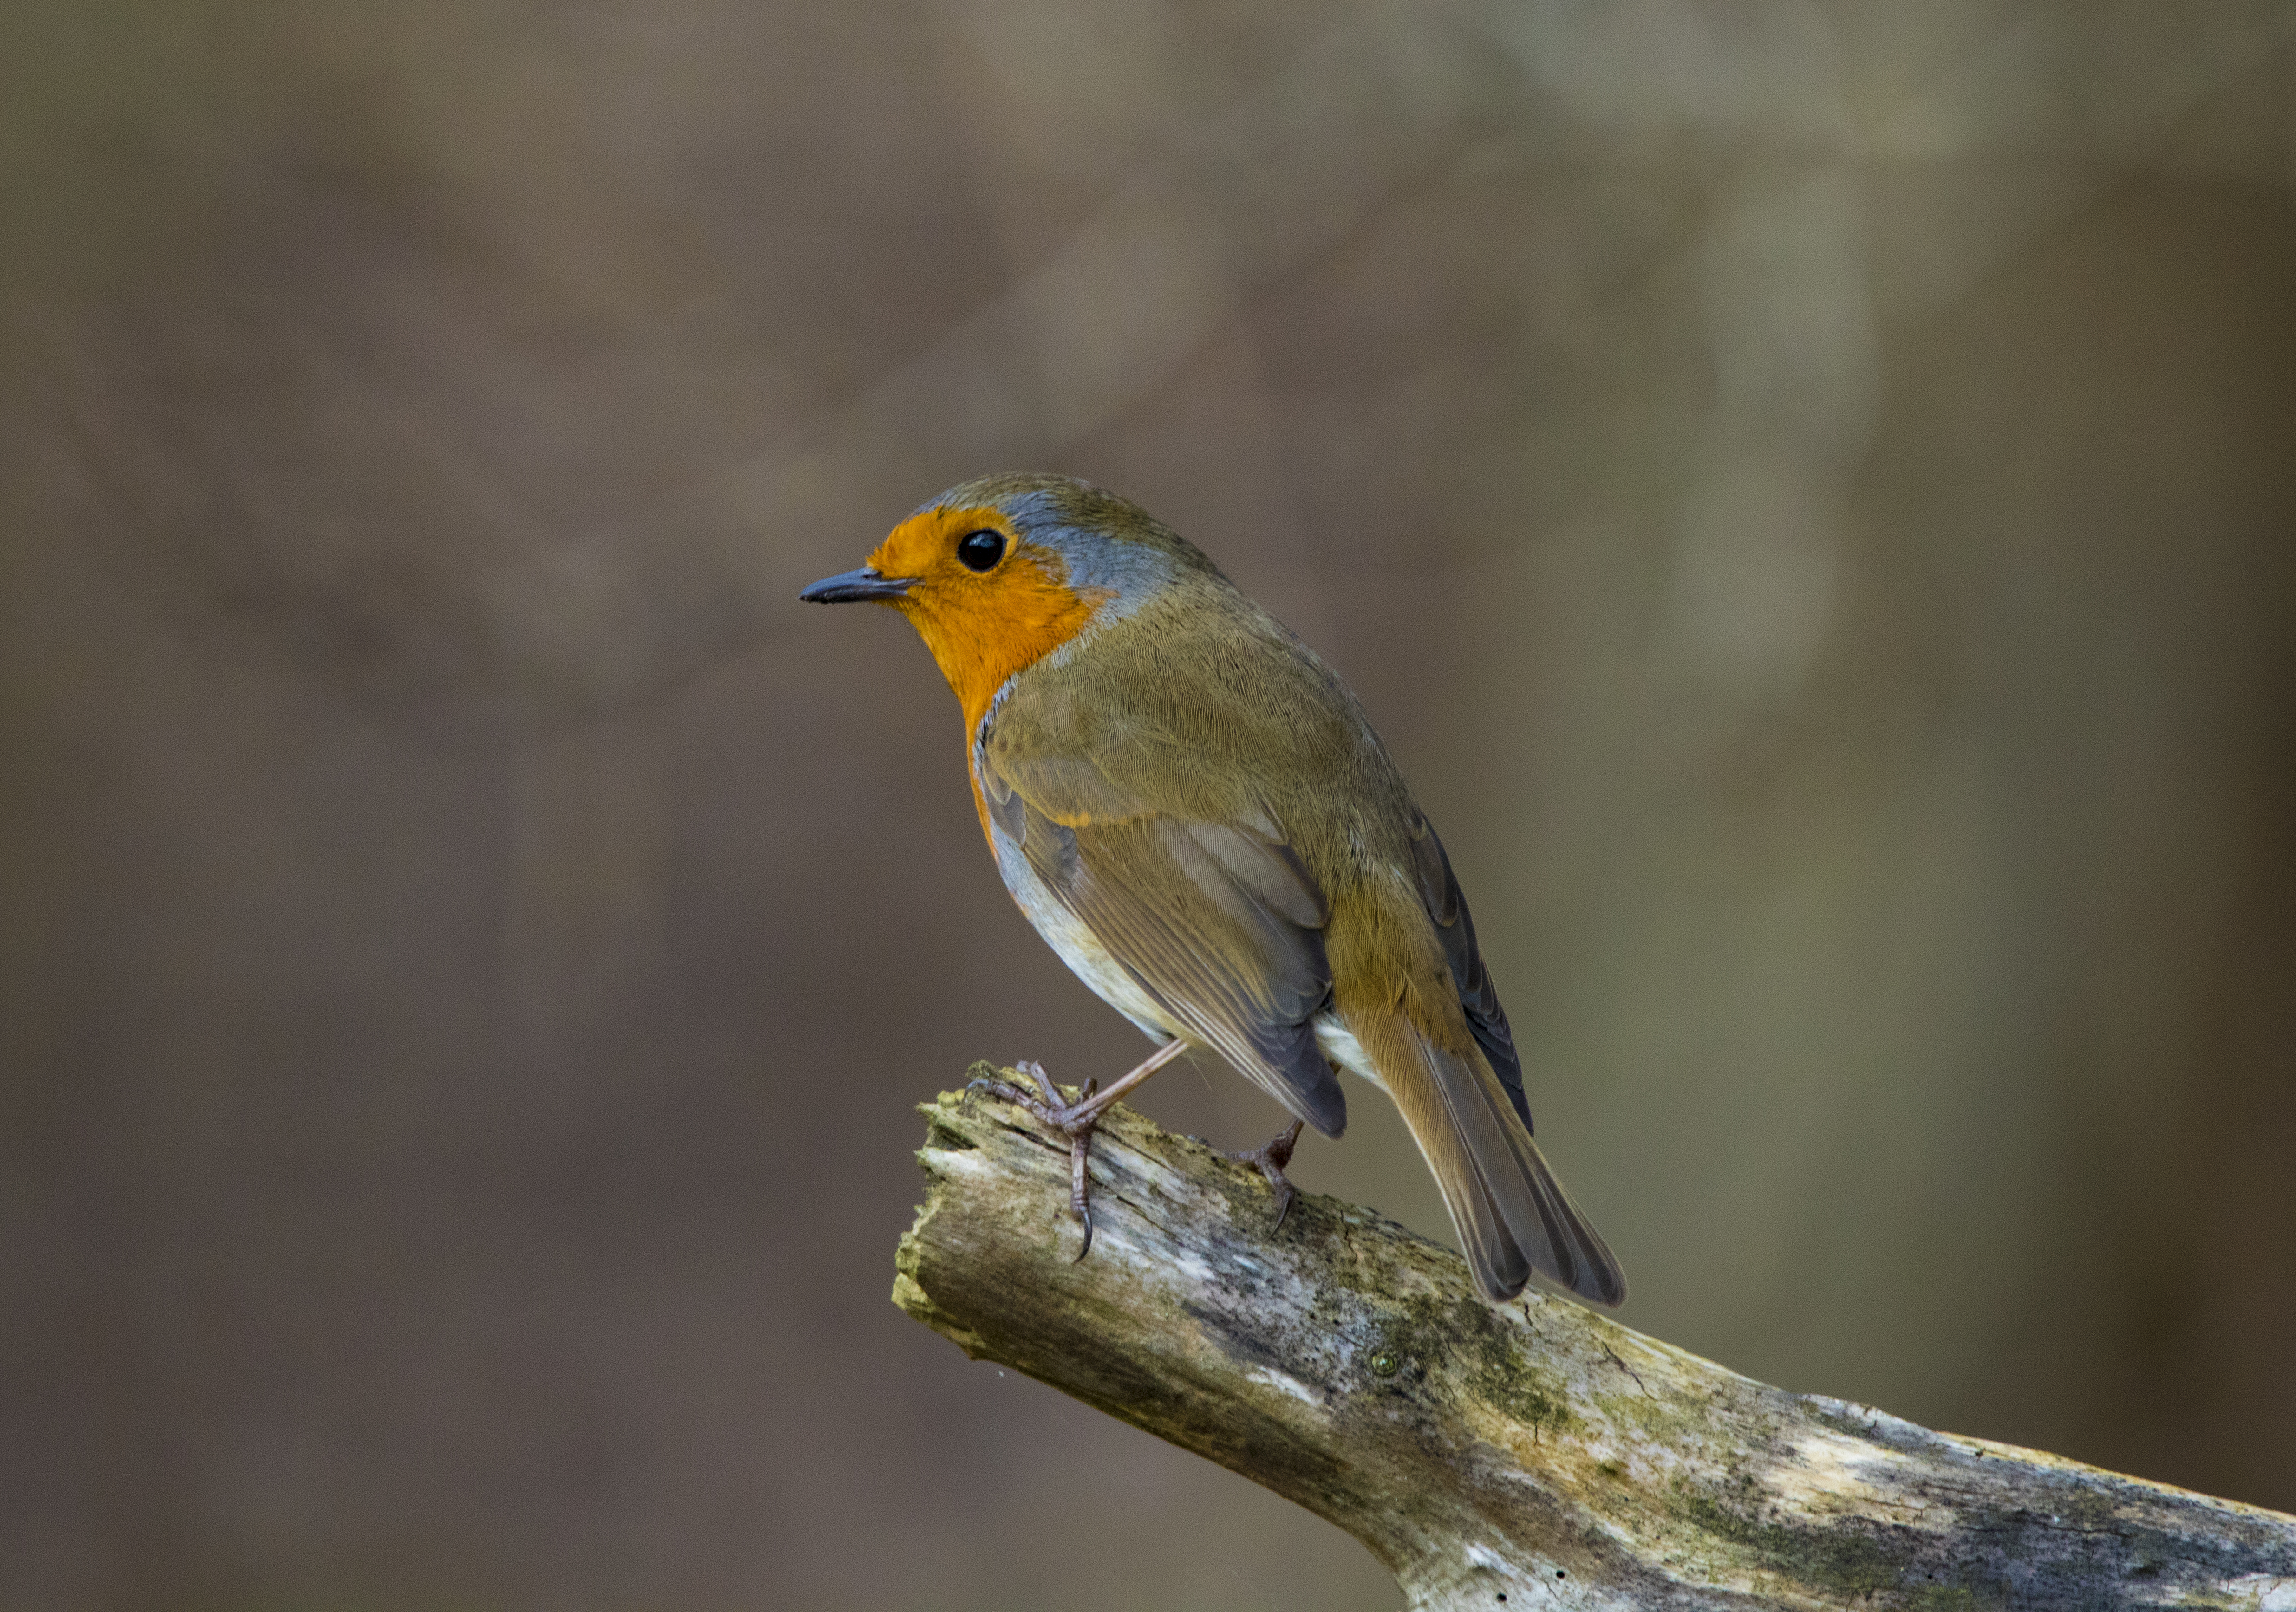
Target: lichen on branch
1483	1451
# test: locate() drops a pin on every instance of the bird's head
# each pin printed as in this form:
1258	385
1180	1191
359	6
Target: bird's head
1000	571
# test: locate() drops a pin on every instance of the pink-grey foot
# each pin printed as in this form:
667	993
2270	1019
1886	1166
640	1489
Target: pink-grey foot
1076	1121
1271	1161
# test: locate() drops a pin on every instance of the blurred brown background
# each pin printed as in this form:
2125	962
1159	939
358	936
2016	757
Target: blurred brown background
1806	491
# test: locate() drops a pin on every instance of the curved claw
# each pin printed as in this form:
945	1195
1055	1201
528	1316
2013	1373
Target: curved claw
1285	1199
1080	1184
1044	1086
1004	1090
1270	1161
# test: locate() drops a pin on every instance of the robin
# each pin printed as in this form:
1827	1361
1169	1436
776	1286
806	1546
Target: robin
1194	813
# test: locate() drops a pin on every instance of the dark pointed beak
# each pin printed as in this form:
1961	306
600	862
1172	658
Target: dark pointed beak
849	585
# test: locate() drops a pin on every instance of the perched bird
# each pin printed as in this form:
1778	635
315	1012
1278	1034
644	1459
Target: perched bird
1194	813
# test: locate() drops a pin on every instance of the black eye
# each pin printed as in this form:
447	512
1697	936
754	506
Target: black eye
981	550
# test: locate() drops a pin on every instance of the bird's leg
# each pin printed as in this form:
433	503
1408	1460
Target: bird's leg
1075	1120
1271	1161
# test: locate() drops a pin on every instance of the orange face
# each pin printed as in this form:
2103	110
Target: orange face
982	622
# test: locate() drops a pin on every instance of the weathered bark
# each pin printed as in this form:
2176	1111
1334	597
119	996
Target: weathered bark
1531	1454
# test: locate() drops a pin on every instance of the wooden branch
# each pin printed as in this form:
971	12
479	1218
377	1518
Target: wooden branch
1533	1455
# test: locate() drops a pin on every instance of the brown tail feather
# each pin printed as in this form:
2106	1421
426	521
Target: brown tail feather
1512	1216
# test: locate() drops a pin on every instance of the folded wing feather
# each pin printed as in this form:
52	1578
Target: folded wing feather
1219	922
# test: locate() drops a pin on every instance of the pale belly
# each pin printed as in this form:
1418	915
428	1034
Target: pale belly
1075	944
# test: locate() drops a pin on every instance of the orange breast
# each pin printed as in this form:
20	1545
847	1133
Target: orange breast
1007	621
982	627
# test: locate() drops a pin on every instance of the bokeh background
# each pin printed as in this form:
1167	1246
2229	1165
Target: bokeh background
1809	492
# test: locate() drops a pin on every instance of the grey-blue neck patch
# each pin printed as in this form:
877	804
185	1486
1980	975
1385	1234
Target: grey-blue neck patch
1134	572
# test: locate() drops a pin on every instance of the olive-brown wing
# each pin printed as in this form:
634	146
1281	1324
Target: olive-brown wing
1218	923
